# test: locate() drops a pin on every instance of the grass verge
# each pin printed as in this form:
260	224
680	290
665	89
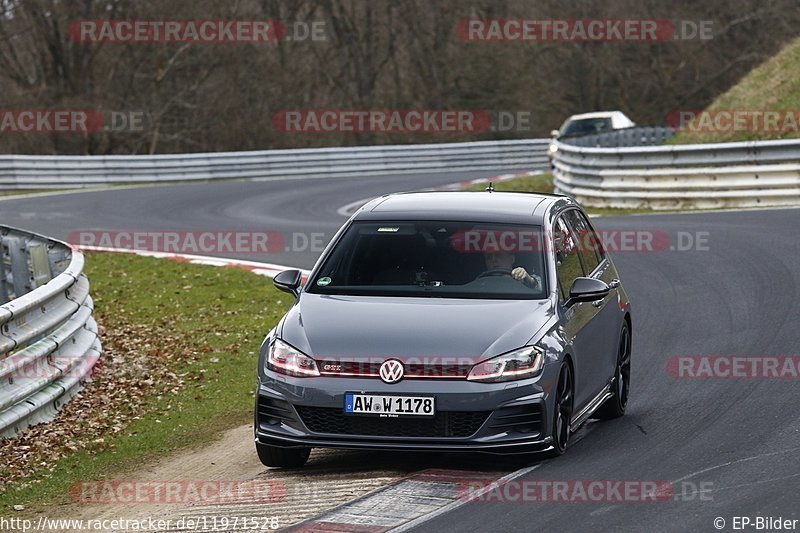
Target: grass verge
180	347
772	86
23	192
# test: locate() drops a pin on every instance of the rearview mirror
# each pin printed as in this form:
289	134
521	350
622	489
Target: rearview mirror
587	290
289	281
553	133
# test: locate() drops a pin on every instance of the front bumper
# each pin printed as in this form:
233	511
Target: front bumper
503	418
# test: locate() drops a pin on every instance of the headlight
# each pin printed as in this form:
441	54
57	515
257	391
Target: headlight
552	148
285	359
519	364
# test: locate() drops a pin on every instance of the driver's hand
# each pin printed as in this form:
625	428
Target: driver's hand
520	274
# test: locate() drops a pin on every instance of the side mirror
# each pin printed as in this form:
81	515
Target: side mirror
553	133
587	290
289	281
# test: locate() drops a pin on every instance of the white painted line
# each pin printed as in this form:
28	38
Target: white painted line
736	461
103	187
264	269
54	193
348	210
505	177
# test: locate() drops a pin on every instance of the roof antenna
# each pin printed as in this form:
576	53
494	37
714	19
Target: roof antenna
490	188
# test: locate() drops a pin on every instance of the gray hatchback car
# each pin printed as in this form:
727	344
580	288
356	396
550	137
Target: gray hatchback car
449	321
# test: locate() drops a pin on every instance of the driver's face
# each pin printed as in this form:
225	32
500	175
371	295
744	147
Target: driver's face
499	260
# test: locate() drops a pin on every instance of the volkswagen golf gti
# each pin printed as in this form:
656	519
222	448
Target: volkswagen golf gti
450	321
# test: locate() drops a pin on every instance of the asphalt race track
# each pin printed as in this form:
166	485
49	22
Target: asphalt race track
738	437
737	440
285	206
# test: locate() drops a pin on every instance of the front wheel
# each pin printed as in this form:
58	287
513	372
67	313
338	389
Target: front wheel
615	406
562	412
282	457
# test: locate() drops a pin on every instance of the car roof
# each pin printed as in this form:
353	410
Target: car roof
478	206
595	114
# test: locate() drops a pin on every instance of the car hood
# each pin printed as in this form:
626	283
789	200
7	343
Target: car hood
325	326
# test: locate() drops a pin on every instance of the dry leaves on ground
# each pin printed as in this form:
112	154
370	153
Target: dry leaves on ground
137	366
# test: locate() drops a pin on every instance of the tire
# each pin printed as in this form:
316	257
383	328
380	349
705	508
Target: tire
615	406
282	457
562	410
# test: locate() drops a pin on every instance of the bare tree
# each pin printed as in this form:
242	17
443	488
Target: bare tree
379	54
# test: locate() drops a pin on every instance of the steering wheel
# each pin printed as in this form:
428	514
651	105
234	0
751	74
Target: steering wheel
495	272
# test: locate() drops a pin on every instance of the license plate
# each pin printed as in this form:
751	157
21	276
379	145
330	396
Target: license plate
388	406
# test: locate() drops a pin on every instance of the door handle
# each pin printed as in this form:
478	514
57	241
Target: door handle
597	303
614	283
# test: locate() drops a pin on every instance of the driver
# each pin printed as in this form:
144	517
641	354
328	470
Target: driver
504	261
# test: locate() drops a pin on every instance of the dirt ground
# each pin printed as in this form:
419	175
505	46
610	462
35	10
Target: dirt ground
260	498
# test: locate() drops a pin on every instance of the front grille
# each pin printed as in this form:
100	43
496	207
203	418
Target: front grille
523	419
437	371
411	370
442	424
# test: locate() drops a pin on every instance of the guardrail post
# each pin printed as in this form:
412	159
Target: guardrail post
19	266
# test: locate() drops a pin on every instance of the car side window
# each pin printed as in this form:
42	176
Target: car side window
587	240
568	263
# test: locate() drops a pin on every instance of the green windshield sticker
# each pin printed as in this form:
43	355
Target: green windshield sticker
323	281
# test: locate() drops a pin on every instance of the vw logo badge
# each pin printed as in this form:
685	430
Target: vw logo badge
391	371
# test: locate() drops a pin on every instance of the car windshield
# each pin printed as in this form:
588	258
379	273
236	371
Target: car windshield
586	126
435	259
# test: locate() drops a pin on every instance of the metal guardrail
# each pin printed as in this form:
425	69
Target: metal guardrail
701	176
48	338
48	172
